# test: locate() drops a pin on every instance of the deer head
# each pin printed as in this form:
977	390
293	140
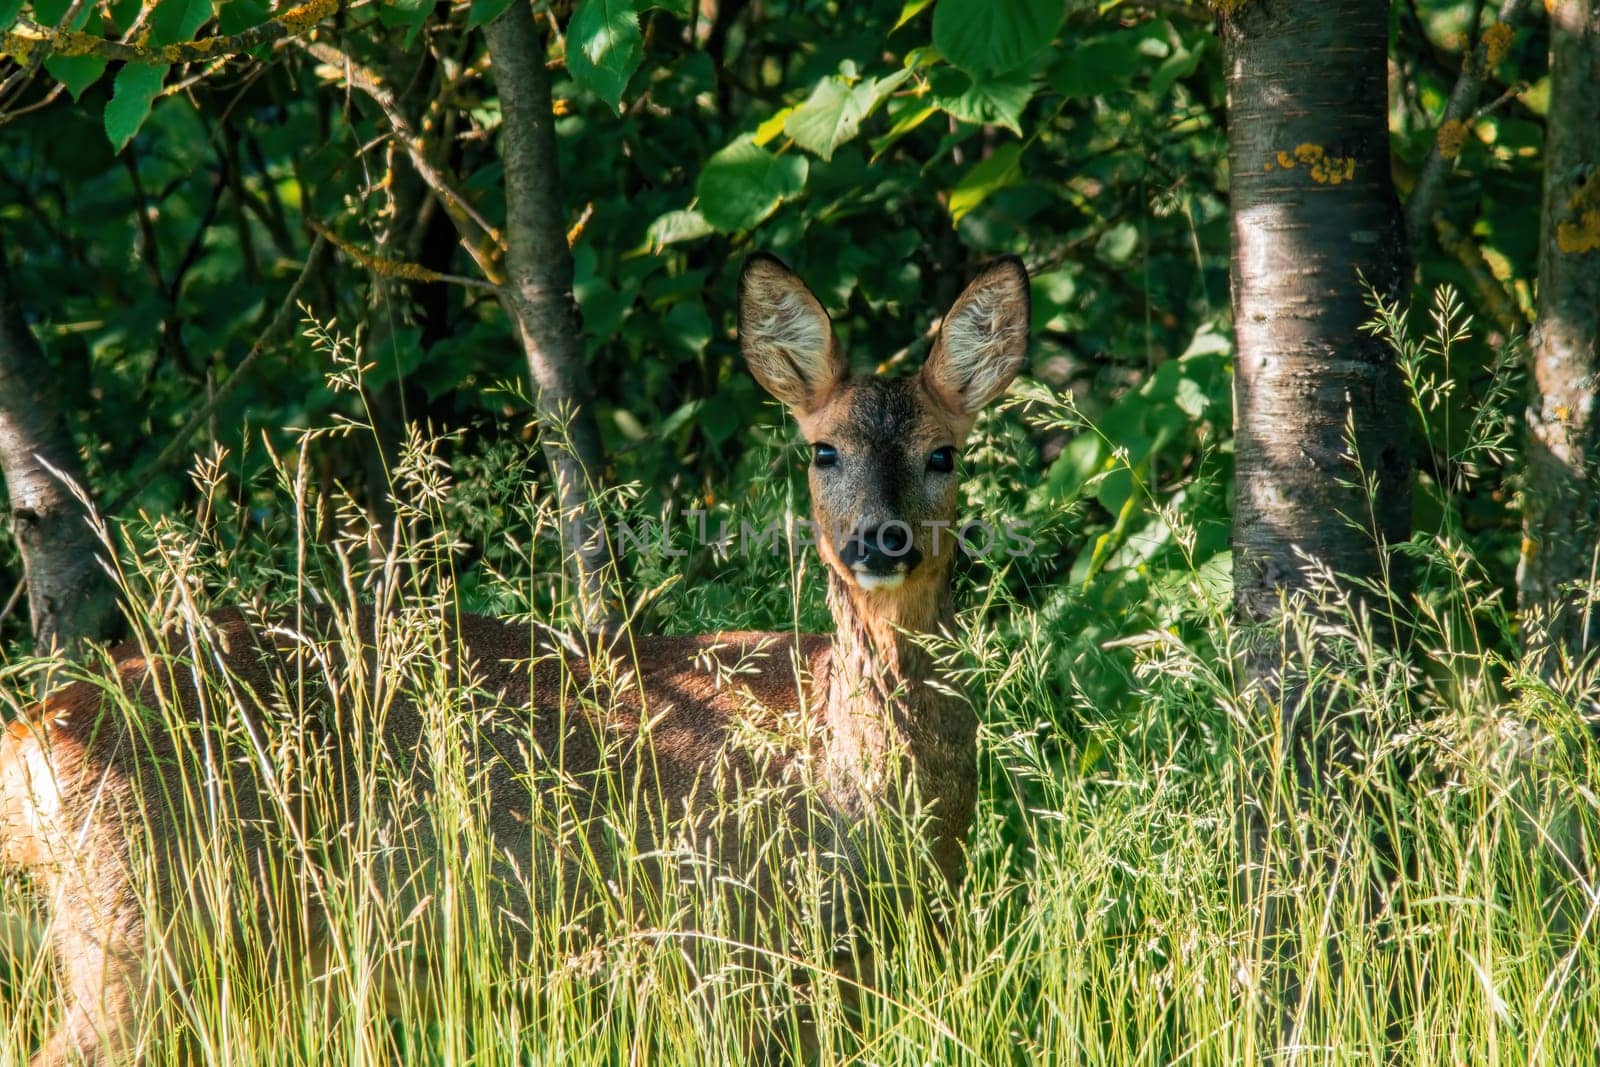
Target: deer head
885	451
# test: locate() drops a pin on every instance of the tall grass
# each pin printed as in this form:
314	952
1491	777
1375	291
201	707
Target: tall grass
1430	900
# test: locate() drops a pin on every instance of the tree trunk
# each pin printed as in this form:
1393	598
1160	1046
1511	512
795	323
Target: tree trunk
1323	472
70	598
539	293
1313	212
1561	499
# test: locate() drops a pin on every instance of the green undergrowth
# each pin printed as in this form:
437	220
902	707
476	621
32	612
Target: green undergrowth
1151	880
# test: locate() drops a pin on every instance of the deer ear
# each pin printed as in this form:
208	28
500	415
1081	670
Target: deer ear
983	341
786	337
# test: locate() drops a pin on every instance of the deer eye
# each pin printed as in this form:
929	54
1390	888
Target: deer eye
942	460
824	455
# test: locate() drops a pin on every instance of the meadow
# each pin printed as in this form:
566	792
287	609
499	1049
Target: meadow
1154	878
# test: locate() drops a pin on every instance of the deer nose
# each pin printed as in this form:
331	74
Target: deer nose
881	551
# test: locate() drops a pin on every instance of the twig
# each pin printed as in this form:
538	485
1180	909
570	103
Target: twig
27	47
28	66
1513	91
1173	9
900	355
398	269
280	322
1501	306
1452	130
10	115
13	600
486	245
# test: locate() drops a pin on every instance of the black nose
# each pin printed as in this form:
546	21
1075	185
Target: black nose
882	549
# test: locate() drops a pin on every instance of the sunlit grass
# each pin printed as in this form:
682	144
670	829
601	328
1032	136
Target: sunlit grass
1153	888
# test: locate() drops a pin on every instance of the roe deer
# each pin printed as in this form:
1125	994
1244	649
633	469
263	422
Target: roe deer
86	791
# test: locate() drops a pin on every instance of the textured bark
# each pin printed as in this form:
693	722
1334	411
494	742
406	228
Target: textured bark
69	596
538	292
1319	405
1561	500
1313	212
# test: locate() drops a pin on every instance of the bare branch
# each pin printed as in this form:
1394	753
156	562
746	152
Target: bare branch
34	42
481	240
398	269
1500	304
1455	123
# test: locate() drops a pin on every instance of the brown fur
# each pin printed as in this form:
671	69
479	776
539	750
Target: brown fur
689	723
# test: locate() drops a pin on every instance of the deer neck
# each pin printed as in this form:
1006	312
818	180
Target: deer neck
890	722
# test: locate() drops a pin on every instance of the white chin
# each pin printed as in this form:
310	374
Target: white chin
879	582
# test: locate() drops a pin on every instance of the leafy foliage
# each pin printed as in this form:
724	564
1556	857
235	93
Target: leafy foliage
156	216
883	149
603	47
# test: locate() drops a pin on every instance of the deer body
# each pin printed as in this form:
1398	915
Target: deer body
859	720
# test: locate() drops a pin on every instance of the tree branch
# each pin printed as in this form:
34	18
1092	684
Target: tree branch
36	42
481	240
1500	305
1453	124
398	269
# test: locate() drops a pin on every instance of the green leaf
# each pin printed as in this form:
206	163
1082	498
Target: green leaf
1180	64
1080	461
913	116
77	73
177	20
833	112
604	47
1001	169
830	116
123	13
484	12
1054	294
134	90
719	421
688	328
675	226
910	10
602	307
1102	65
410	14
996	101
986	37
236	15
9	9
48	13
773	126
1118	244
743	184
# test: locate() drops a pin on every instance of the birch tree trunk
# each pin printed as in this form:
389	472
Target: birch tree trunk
1313	211
538	292
70	598
1561	498
1323	469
